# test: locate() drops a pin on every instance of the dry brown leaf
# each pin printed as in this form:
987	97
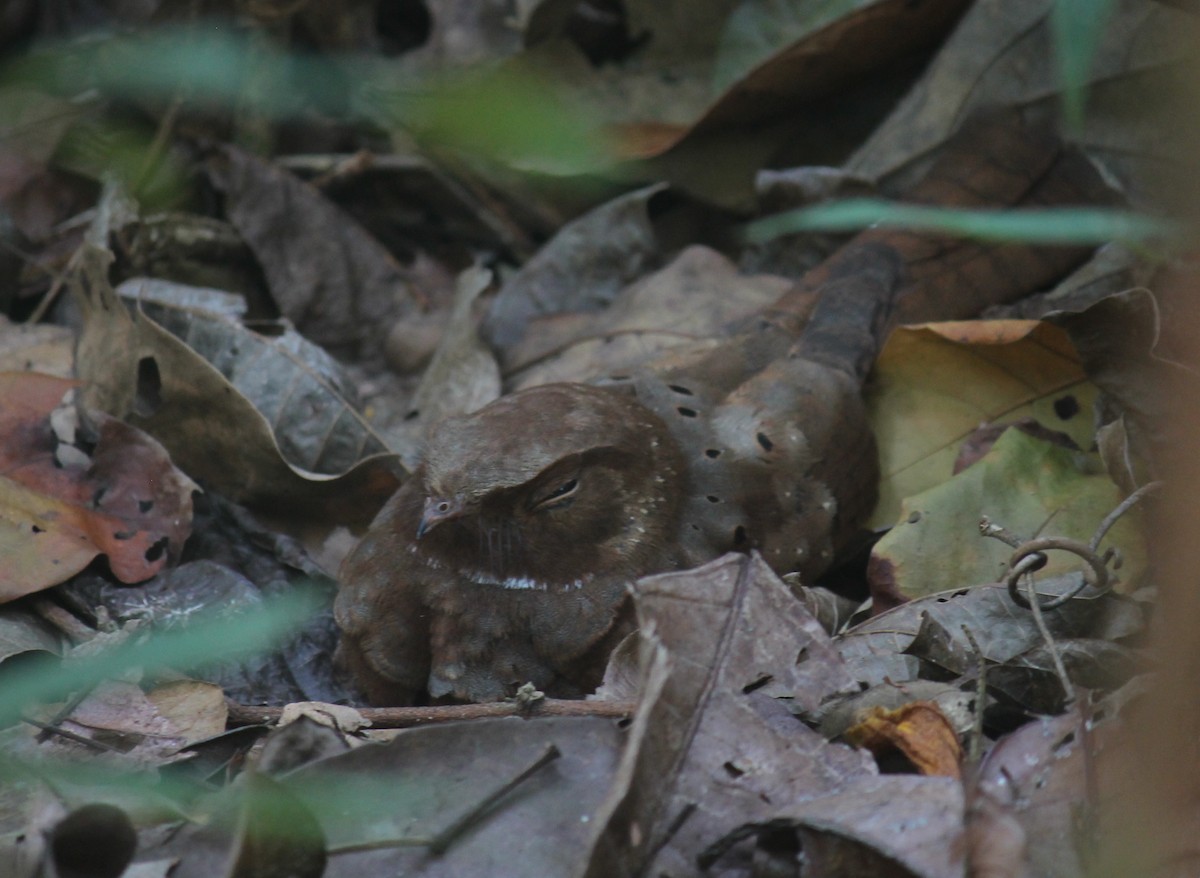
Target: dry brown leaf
22	631
817	64
429	777
583	267
689	302
1001	54
1113	269
462	377
120	714
919	730
332	279
882	648
195	709
711	748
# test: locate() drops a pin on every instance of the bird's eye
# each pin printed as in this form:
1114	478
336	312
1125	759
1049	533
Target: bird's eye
555	497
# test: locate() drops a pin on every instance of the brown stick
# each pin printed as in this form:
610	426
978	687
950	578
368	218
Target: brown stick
409	717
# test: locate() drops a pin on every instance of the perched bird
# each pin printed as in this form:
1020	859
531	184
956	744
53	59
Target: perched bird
509	553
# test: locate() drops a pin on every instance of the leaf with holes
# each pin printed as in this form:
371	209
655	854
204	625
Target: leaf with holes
262	420
62	504
936	383
713	729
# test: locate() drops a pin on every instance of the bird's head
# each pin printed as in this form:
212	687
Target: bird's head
550	485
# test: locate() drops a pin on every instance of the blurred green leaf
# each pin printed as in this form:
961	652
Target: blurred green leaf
515	116
1063	225
518	117
1078	26
216	639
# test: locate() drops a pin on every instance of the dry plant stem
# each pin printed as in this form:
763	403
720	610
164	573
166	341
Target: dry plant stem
410	717
55	288
1060	670
48	730
64	620
327	168
441	842
975	744
989	528
348	167
1019	563
1123	507
62	713
158	145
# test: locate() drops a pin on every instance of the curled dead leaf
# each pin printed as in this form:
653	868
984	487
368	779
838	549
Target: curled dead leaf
134	368
919	731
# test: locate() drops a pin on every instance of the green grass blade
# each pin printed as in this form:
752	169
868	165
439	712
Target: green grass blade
1063	225
1077	27
216	639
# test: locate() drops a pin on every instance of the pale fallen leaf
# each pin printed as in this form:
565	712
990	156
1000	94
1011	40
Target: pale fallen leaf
1025	484
934	384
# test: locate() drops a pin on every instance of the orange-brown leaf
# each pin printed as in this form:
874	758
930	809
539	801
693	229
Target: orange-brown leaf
919	730
121	497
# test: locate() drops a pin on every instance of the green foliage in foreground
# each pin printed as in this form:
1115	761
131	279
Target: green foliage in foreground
1078	26
1063	225
214	639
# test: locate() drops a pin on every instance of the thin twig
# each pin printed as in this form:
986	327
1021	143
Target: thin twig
1027	554
49	729
1060	670
60	279
408	717
975	743
67	708
70	625
989	528
379	844
442	841
1123	507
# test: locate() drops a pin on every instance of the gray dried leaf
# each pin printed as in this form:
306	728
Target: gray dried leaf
582	268
463	375
880	648
137	370
430	776
331	278
711	748
1001	55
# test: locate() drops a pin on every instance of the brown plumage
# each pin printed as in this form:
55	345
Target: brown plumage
508	555
524	551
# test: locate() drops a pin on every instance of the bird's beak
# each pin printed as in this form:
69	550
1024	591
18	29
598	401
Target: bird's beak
437	510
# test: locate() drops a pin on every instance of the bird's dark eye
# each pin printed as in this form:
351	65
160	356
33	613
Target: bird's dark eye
563	491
